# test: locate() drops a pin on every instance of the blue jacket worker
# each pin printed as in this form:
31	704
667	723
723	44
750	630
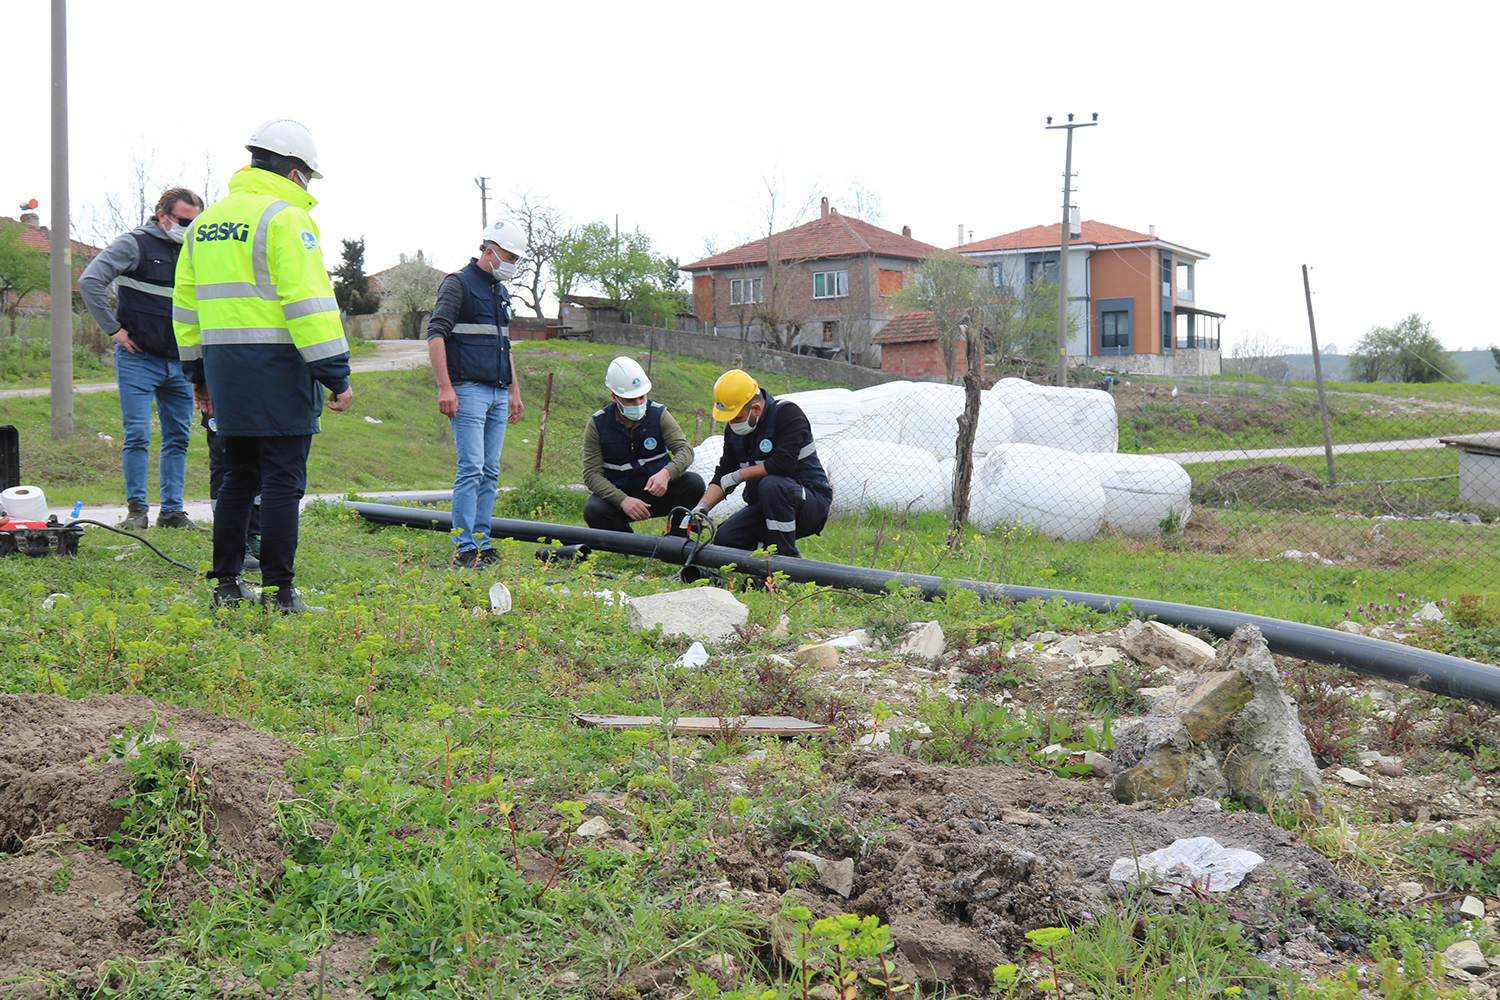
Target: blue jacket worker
468	342
142	264
635	457
769	449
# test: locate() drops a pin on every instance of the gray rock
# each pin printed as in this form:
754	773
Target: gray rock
1354	779
1472	907
706	613
1211	703
1162	645
1354	627
1267	758
925	640
1098	763
820	655
837	876
1407	892
1429	613
1466	955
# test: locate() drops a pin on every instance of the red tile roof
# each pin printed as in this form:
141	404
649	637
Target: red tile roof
1047	237
39	238
833	235
908	328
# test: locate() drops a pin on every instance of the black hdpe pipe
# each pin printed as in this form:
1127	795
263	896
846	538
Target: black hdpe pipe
1436	672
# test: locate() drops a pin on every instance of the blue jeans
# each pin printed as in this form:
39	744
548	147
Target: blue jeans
141	378
478	434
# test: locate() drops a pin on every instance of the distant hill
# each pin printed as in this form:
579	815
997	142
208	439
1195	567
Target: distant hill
1478	365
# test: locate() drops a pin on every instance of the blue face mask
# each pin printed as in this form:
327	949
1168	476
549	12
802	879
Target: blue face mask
635	412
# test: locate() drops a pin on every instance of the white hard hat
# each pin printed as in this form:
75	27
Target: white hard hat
289	138
626	379
506	234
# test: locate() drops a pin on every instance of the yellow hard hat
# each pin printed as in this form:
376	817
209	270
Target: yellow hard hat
733	390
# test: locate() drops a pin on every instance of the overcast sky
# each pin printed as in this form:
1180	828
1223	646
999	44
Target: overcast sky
1350	137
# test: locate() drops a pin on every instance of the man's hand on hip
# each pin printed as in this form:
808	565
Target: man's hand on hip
340	400
122	337
657	484
636	510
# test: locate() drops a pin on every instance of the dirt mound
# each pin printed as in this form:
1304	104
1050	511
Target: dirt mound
960	885
1263	484
65	908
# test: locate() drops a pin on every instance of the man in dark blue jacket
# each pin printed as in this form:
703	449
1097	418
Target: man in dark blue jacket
768	447
142	264
468	341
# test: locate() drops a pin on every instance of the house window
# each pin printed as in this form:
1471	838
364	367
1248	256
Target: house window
1114	330
744	290
830	284
1044	271
1168	332
829	329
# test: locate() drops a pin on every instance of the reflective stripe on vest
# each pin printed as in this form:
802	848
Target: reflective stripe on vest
143	286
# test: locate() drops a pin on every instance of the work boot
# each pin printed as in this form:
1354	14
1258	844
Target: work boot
488	557
466	559
176	519
232	592
288	602
138	518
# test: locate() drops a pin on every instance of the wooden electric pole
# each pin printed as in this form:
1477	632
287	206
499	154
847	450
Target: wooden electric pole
1062	261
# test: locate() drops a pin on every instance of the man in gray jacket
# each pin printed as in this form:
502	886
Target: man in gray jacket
142	264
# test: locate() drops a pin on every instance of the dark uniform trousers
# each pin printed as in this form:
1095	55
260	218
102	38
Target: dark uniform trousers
783	512
276	468
685	491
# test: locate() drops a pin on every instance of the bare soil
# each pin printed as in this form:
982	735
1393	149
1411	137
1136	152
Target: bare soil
969	860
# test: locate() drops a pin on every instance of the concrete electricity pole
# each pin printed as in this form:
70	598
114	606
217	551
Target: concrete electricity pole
62	247
484	202
1062	261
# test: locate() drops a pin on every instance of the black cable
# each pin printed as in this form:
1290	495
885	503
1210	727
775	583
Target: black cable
128	534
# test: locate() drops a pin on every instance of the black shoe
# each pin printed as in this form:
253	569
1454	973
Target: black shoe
252	546
289	602
252	564
176	519
466	559
136	519
488	557
232	593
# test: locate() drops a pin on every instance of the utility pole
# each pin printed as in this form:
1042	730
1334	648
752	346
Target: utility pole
484	202
62	247
1312	326
1062	261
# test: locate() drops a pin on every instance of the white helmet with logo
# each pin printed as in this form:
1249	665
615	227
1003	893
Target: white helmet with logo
289	138
507	235
627	379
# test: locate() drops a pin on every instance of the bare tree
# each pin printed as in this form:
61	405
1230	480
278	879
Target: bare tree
864	203
1259	354
411	287
778	312
546	231
121	209
949	287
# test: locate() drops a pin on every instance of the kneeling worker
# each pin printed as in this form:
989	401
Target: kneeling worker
769	447
635	456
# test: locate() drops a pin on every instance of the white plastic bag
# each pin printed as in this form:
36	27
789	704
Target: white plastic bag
1201	862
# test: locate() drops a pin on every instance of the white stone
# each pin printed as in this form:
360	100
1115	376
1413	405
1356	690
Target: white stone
1354	627
1406	892
706	613
924	640
595	826
1349	776
1098	763
874	740
1106	656
782	628
1429	613
1153	643
858	639
1472	907
1466	955
819	655
835	875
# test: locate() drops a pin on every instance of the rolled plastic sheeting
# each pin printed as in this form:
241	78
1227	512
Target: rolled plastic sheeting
1142	491
1076	420
865	472
1051	491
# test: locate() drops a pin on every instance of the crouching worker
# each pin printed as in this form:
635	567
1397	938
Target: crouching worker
768	447
635	457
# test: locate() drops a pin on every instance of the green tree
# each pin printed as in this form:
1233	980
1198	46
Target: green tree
624	267
1406	352
953	290
1495	353
351	286
411	287
1023	328
22	271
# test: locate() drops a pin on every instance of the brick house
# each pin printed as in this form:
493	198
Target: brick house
32	236
1132	295
911	348
823	287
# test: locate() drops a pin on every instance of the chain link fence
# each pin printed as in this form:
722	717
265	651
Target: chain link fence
1233	464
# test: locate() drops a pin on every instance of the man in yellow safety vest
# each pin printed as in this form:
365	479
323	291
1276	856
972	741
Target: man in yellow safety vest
258	332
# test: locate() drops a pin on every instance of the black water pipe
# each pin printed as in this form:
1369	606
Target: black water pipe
1436	672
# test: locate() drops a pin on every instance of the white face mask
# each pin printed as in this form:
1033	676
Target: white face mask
633	412
176	233
742	428
502	270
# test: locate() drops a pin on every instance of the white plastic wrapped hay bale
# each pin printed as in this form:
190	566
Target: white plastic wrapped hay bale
1054	492
866	472
1077	420
1142	491
705	460
873	397
829	411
